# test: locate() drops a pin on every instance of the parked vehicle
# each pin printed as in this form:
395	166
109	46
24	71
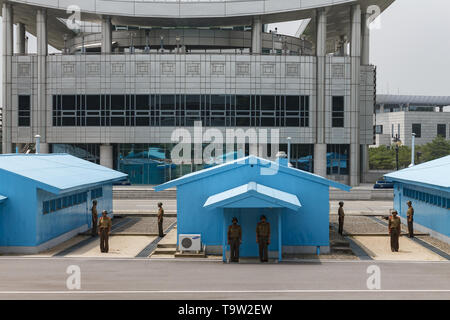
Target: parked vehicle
383	184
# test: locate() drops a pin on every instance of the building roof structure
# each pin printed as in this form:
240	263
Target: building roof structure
433	173
58	173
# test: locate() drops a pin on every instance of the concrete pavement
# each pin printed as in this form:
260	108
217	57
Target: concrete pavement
45	278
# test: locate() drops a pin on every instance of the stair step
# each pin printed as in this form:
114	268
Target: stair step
165	251
341	250
190	255
167	245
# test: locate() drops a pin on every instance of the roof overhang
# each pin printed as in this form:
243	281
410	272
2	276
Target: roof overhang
253	195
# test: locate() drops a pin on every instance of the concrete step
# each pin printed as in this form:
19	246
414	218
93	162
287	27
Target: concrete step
165	251
190	255
341	250
142	192
339	243
167	245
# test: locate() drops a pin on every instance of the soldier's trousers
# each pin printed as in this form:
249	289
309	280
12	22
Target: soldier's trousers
394	239
160	228
94	227
411	228
341	225
263	249
234	250
104	238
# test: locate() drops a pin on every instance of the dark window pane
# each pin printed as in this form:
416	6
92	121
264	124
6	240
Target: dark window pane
117	102
192	102
442	130
167	102
217	102
338	112
417	129
267	102
93	102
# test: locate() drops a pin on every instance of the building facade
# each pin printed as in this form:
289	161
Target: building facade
132	72
43	205
295	203
427	187
397	117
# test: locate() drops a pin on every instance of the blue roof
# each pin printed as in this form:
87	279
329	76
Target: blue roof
262	194
58	173
2	199
251	160
435	173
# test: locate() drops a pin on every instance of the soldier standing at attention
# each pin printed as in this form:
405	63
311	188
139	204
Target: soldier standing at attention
104	228
263	238
409	216
394	230
94	218
341	217
160	219
234	239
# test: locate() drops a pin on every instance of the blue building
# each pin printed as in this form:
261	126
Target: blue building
45	199
427	185
295	202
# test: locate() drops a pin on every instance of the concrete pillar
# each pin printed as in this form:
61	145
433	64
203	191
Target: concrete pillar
20	41
44	148
7	43
365	39
106	35
257	35
39	113
320	148
355	53
106	155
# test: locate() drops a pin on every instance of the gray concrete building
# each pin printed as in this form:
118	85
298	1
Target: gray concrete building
396	117
131	72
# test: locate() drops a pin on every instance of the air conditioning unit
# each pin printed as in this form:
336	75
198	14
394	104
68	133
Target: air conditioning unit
190	242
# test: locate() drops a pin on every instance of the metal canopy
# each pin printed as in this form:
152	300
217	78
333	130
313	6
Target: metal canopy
253	195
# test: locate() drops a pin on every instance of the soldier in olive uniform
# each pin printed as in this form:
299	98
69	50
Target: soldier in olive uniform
104	228
234	239
409	216
94	218
263	238
160	219
341	217
394	230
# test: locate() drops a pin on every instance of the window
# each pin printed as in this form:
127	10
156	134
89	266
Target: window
337	112
24	118
337	159
96	193
182	110
442	130
417	129
379	129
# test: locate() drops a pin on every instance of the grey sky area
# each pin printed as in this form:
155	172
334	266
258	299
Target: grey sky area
410	48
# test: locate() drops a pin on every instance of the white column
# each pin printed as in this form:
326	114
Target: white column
39	113
320	148
106	155
365	39
106	35
20	40
257	35
355	53
7	42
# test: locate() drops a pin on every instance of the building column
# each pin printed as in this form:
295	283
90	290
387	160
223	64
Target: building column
39	114
365	39
355	53
106	155
257	35
320	148
7	42
20	41
106	35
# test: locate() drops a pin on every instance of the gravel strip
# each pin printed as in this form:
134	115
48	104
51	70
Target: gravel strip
443	246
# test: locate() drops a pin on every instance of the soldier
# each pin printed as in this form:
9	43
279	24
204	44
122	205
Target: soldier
160	219
341	217
394	230
234	239
94	217
104	228
263	238
409	216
